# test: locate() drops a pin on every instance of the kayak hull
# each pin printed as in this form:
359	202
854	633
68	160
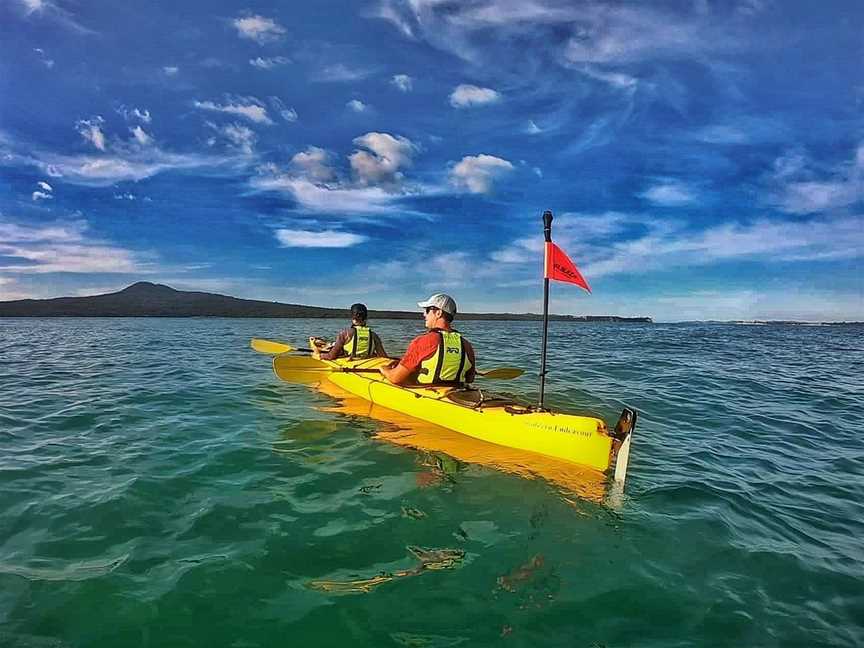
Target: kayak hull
583	440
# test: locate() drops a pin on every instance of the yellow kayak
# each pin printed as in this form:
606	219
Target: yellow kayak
582	440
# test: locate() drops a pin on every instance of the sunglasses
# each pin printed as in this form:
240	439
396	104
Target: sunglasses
428	309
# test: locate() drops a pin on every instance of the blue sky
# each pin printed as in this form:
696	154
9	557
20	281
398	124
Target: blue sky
704	160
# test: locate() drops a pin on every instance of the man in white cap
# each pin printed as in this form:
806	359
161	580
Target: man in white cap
441	356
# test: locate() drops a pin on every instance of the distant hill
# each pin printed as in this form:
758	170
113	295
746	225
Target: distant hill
145	299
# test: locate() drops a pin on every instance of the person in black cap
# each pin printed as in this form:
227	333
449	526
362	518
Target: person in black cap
355	341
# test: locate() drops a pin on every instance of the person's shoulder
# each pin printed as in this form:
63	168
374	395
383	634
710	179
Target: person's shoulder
426	337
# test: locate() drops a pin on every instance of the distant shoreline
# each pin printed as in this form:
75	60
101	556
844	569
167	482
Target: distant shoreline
144	299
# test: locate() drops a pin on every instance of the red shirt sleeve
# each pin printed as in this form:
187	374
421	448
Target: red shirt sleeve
421	348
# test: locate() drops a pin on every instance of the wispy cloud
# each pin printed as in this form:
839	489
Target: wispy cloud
62	247
44	9
258	28
247	107
287	114
135	114
466	96
403	82
357	106
803	189
141	136
45	192
329	199
317	239
579	35
670	193
477	173
91	131
47	62
340	73
241	138
171	70
615	243
268	63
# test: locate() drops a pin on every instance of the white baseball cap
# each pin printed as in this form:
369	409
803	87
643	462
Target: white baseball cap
439	300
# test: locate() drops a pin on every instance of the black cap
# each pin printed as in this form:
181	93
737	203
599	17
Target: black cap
359	312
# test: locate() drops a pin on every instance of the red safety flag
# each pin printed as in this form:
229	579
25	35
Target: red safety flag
559	267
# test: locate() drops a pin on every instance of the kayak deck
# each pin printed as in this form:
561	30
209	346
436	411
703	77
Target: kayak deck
583	440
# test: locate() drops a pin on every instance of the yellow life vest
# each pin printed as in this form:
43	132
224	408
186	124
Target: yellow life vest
360	344
449	365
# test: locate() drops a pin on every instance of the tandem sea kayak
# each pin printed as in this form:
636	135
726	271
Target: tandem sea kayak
583	440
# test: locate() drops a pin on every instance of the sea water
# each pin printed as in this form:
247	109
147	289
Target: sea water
160	487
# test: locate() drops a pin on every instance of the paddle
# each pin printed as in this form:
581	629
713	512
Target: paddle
271	346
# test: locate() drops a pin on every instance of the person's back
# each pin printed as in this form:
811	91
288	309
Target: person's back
355	341
441	356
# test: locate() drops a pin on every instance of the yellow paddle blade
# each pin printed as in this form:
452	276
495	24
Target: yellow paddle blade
502	373
299	369
270	346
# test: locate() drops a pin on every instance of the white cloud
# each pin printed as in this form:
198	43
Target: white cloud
477	173
382	159
48	63
141	136
340	72
314	164
636	33
617	80
268	63
800	193
91	130
62	247
44	186
357	106
129	165
171	70
402	81
670	194
258	28
763	240
135	114
466	95
288	114
41	195
532	128
241	137
324	198
322	239
124	196
247	107
32	6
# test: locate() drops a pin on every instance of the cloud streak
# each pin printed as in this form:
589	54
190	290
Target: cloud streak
320	239
260	29
247	107
62	248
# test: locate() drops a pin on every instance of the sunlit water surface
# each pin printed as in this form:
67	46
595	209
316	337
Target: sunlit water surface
160	487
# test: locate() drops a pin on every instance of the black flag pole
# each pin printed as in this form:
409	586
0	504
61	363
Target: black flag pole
547	233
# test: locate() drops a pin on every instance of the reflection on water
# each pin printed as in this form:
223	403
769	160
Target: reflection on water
432	440
429	560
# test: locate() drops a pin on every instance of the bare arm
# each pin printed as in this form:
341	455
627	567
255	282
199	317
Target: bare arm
336	350
397	375
379	347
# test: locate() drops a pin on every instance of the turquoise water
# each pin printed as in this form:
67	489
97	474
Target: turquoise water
159	487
